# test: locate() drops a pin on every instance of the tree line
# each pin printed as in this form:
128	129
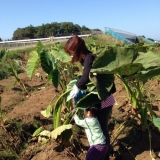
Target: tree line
47	30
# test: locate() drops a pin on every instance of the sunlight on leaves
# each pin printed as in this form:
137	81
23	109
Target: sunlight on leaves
58	131
37	131
47	113
156	122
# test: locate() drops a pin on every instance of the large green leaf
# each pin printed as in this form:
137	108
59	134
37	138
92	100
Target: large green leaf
4	55
128	69
89	100
69	87
104	84
55	77
39	47
114	57
148	59
104	58
156	121
61	55
145	75
58	131
71	84
140	47
126	61
32	64
62	133
150	74
124	70
57	109
48	62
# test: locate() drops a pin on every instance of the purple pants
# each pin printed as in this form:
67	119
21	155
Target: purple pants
97	152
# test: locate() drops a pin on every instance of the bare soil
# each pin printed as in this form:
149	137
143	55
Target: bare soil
21	114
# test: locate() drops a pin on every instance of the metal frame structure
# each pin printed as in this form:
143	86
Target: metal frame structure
130	36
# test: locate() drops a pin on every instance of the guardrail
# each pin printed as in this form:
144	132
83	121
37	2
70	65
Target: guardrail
31	41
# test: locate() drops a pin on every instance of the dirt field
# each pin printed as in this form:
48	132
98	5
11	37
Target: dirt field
22	116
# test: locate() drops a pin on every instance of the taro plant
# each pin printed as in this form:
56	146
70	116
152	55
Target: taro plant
3	66
125	62
14	67
54	62
34	60
133	68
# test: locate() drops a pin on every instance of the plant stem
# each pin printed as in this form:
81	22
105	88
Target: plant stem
129	151
150	147
136	115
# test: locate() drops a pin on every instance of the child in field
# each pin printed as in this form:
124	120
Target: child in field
98	146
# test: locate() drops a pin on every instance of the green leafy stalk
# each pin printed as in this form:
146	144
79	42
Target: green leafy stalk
57	109
70	117
125	126
15	74
130	93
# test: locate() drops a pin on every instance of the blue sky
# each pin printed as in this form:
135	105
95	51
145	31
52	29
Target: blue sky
141	17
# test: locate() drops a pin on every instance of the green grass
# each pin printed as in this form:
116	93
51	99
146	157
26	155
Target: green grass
102	39
5	70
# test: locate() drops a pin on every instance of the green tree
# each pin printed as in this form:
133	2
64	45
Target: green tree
54	29
96	29
84	28
46	30
41	31
18	34
77	28
29	32
67	27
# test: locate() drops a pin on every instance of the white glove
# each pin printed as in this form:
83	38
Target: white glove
74	91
